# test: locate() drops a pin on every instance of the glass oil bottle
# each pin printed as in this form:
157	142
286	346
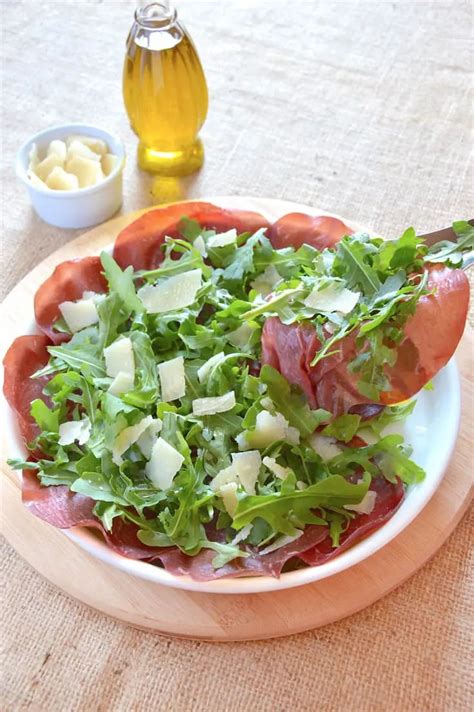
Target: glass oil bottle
165	91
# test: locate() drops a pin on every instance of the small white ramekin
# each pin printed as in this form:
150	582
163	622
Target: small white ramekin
74	208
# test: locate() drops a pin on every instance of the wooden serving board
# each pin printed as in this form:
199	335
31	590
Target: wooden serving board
169	611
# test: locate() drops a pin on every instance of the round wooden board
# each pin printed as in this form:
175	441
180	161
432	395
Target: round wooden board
215	617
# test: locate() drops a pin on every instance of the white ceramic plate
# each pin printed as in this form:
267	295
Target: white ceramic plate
431	430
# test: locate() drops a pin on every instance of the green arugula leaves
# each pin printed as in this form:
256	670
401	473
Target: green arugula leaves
227	317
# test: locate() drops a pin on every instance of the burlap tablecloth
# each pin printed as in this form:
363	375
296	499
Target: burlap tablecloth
358	107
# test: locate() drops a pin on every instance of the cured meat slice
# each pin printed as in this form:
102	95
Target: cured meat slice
389	497
431	337
295	229
26	355
200	567
431	334
139	243
64	509
68	282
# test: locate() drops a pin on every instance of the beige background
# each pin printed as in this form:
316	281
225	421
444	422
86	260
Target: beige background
362	108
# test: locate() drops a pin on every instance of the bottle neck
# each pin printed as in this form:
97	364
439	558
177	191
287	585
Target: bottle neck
155	15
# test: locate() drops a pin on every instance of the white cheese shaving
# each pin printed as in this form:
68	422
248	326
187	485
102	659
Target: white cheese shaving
241	336
210	406
147	439
269	427
278	470
247	466
241	535
122	383
279	542
228	493
200	245
172	293
203	372
266	282
119	357
128	437
332	298
73	430
366	506
225	477
222	239
244	470
80	314
324	446
172	379
164	464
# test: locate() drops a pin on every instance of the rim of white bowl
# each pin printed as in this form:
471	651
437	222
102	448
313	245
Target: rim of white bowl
21	159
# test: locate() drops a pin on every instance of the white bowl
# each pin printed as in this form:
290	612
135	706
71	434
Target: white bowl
431	430
74	208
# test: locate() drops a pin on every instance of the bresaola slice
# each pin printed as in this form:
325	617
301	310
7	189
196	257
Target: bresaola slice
431	334
26	355
296	229
389	497
68	282
139	243
64	509
431	338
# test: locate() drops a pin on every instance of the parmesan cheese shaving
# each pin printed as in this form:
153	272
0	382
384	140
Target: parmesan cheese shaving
366	506
222	239
164	464
172	379
128	437
324	446
119	358
173	293
332	298
122	383
73	430
213	405
279	542
80	314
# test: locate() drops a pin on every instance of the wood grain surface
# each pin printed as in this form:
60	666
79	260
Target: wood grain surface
361	107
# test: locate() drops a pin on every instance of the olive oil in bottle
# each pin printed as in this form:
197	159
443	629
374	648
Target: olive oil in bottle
165	92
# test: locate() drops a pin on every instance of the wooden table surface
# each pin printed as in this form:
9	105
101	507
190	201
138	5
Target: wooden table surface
363	108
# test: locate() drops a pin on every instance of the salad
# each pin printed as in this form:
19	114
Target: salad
222	412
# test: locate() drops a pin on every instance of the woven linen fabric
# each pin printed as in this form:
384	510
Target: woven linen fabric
361	108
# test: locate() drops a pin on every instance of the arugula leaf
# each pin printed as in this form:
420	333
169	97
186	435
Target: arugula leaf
343	428
351	263
291	403
225	552
81	353
387	456
452	252
146	373
397	254
121	282
46	418
334	491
